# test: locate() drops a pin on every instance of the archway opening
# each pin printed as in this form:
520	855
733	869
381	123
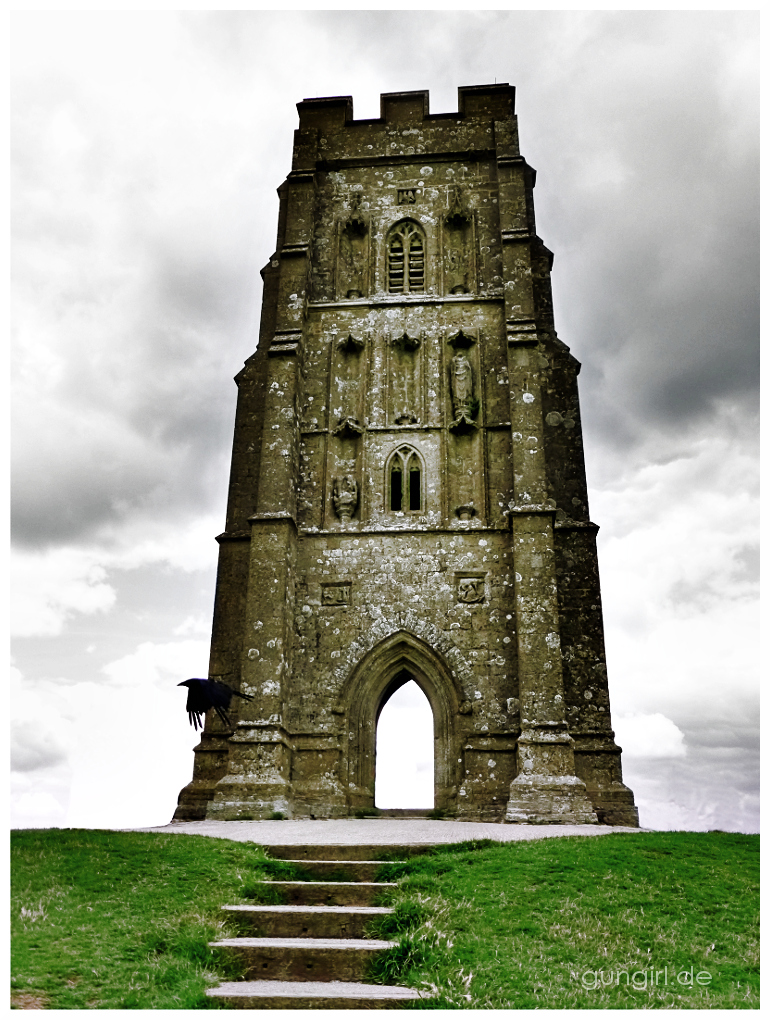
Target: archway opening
404	766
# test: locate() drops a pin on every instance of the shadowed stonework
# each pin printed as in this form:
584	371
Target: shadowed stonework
408	495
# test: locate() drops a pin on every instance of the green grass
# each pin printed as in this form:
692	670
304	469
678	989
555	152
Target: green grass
550	923
116	920
120	920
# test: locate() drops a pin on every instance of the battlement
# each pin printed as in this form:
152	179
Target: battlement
474	102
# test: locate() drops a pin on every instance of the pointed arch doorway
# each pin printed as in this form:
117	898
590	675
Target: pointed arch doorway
404	763
379	674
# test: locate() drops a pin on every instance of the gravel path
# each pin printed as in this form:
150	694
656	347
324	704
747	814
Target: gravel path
353	831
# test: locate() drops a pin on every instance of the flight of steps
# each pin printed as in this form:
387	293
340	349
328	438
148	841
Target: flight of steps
311	952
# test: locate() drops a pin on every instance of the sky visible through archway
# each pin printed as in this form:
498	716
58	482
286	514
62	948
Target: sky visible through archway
404	769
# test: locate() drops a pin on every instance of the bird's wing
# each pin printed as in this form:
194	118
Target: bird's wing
195	720
197	696
219	694
205	694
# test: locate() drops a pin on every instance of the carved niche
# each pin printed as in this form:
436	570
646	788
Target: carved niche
353	254
405	387
347	383
459	266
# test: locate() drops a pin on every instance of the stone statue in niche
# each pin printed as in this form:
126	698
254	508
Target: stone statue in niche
461	376
465	405
345	496
352	264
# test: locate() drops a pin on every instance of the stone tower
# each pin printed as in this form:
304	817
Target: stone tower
408	493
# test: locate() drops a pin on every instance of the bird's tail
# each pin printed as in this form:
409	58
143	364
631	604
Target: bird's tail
223	716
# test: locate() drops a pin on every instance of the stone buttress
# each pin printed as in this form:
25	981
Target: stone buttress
408	495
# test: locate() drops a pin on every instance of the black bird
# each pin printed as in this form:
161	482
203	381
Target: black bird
205	694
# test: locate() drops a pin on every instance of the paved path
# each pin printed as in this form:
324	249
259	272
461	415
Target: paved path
354	831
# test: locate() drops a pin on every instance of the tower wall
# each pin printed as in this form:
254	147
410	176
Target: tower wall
408	494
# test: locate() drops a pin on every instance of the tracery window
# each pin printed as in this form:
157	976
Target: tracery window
406	259
405	480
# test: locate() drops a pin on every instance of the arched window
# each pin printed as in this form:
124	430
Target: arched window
405	480
406	259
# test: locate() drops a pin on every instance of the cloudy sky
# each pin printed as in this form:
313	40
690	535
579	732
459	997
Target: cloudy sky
147	148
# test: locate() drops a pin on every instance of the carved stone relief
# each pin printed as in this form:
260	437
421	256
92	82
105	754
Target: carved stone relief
345	496
335	594
470	589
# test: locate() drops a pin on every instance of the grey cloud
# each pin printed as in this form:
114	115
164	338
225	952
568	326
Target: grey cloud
704	790
32	750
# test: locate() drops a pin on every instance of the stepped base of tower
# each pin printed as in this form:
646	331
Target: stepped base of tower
614	806
549	800
193	802
534	801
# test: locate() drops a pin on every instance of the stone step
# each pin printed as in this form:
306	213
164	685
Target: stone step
309	995
298	959
345	851
341	871
403	813
289	921
340	894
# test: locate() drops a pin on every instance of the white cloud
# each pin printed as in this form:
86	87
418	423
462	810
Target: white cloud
50	587
678	587
114	754
42	738
649	736
37	808
134	756
193	625
153	665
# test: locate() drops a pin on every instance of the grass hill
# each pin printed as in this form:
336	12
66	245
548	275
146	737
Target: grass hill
112	920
